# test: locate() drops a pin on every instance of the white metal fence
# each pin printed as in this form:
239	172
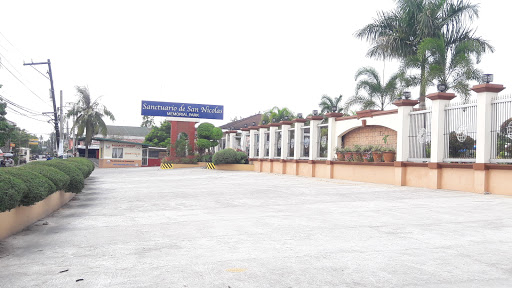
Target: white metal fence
460	132
420	136
501	129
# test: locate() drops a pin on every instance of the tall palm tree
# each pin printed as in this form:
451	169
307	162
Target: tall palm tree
450	59
89	116
328	104
377	94
399	33
277	113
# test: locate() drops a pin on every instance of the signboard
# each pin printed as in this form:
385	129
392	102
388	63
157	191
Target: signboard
186	110
33	143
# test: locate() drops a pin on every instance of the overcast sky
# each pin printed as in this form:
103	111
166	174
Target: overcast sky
246	55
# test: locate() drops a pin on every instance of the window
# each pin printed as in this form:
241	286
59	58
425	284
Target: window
117	152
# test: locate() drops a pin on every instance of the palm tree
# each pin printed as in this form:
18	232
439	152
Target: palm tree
399	33
89	116
328	104
450	59
378	94
277	113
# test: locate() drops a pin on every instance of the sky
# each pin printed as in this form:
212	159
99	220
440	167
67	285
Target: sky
246	55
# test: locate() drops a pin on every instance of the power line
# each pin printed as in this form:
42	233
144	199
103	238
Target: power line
19	106
25	115
24	84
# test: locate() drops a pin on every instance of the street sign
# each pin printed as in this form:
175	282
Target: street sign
185	110
33	143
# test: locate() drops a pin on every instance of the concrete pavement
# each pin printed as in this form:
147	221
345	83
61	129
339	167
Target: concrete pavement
147	227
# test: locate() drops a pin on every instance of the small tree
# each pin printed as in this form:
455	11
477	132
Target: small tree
208	136
160	136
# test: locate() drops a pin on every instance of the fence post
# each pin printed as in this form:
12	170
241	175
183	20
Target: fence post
439	101
402	134
314	121
299	123
272	144
232	141
485	94
263	129
285	138
252	141
333	139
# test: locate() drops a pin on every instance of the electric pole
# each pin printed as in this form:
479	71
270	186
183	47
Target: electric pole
61	147
55	119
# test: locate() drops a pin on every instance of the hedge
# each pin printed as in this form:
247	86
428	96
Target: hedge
11	191
76	177
39	187
229	156
58	178
33	182
85	162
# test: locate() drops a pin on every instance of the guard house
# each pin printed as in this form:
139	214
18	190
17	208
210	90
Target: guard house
121	154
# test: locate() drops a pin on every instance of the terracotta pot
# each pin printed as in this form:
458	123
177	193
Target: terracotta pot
366	156
348	156
341	156
388	156
377	156
357	156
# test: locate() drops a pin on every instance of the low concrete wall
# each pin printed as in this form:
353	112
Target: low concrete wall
21	217
175	166
235	167
478	178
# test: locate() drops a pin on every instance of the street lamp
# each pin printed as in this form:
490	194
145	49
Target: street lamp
315	112
407	95
441	87
299	115
487	78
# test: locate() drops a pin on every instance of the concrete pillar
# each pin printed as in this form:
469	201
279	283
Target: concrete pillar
232	141
485	94
439	101
333	141
272	145
243	143
402	134
314	146
252	143
299	123
262	141
285	139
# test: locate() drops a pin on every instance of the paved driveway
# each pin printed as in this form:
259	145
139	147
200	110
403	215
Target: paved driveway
201	228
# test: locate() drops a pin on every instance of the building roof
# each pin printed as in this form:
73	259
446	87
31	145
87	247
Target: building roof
239	124
114	140
127	131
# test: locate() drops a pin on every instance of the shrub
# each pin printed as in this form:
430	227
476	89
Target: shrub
11	191
58	178
205	158
229	156
39	187
88	163
76	178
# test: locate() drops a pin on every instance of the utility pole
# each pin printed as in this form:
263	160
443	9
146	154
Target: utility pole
61	143
55	120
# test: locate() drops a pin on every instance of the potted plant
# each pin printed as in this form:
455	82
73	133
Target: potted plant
340	153
356	153
349	154
388	154
377	153
367	153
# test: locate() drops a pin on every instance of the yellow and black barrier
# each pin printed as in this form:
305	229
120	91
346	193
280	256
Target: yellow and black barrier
166	166
210	166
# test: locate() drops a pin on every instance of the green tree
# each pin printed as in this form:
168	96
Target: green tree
277	113
89	116
208	136
451	60
377	95
328	104
6	129
398	33
148	121
160	136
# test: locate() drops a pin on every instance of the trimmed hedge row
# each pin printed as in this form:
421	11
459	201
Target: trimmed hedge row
229	156
33	182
